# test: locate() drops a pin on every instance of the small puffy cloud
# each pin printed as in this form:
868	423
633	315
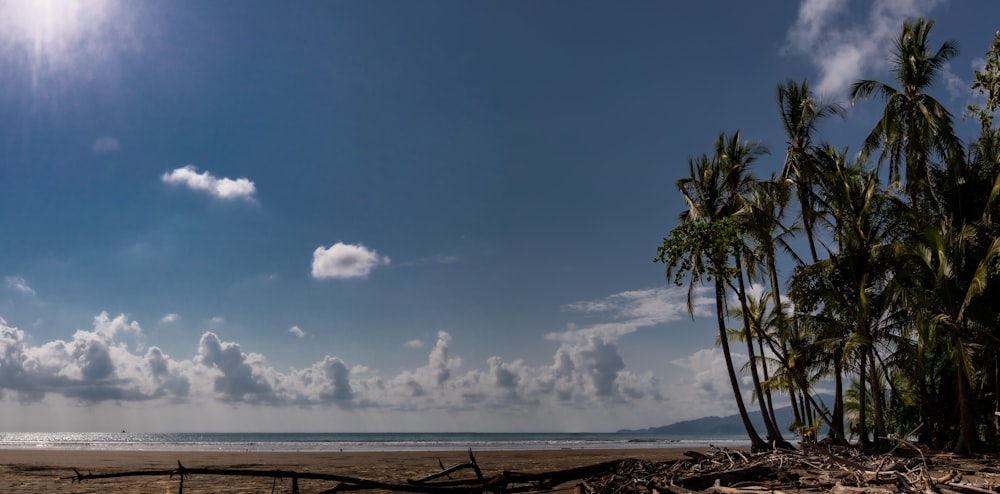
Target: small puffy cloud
221	188
105	145
297	331
344	261
843	52
170	318
414	344
20	285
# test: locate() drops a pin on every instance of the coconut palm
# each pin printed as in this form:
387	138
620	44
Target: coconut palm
914	126
863	220
949	270
710	234
800	113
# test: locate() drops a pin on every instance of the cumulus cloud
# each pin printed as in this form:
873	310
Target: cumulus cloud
105	145
221	188
20	285
706	382
170	318
94	365
108	363
344	261
844	52
587	368
241	377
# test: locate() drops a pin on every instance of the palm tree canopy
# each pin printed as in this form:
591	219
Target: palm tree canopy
914	125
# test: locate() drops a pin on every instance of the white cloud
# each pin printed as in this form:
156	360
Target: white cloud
345	261
93	366
19	284
105	145
629	311
107	364
297	331
414	344
222	188
843	52
170	318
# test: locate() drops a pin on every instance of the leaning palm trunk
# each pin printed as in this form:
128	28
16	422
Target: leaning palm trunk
720	300
767	378
773	434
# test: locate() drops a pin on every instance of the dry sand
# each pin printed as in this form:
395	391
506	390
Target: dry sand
40	470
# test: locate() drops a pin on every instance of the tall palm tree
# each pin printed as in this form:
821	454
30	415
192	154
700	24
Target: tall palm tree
914	126
801	113
709	236
766	235
851	282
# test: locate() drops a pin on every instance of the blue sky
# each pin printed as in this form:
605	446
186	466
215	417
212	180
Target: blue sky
386	215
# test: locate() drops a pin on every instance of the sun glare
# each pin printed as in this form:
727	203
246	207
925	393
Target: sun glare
57	37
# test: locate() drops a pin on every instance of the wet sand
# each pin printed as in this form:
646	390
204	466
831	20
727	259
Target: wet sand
40	470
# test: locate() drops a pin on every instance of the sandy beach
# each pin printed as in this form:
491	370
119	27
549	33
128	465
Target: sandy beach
40	470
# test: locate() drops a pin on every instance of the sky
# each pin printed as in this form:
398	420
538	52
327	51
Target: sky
388	215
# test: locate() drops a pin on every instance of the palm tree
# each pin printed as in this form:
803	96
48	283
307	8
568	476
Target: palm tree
914	126
709	236
851	282
766	235
800	114
948	271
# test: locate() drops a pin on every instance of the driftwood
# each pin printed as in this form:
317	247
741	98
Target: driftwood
722	471
505	482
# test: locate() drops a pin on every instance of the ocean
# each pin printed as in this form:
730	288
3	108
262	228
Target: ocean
307	442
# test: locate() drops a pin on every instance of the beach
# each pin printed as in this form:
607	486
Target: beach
41	470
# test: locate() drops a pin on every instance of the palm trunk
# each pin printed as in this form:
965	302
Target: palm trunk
968	430
772	431
794	400
877	407
862	403
968	433
767	390
772	269
837	430
720	300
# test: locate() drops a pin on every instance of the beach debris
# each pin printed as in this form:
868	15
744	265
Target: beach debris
717	470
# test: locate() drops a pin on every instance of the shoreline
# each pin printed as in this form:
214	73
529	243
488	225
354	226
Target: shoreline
33	470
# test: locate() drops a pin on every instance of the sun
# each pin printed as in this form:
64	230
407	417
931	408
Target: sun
52	37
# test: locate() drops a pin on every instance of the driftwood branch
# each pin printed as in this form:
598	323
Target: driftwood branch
508	482
719	471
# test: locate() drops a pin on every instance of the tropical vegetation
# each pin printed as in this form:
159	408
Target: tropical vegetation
894	303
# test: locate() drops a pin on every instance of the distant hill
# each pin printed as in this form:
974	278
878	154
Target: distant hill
725	426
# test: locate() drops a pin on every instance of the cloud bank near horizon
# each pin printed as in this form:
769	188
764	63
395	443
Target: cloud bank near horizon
111	363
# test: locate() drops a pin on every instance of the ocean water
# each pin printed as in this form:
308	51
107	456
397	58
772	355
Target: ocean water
272	441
